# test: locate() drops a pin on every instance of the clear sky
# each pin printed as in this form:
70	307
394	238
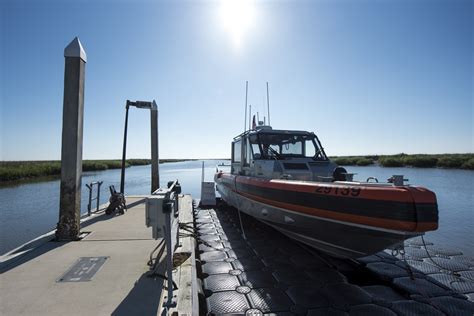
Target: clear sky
369	77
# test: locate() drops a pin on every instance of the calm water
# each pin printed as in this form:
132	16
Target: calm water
29	210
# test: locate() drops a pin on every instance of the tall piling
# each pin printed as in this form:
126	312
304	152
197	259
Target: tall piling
68	226
155	175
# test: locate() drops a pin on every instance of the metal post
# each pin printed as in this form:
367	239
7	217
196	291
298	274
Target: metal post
268	105
250	118
89	205
155	172
124	152
98	194
246	94
169	258
69	225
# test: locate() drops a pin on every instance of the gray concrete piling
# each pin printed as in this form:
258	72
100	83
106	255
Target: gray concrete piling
68	226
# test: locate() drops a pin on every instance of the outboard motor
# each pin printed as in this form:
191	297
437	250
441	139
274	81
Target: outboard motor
339	174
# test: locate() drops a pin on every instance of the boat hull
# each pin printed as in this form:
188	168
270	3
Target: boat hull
340	238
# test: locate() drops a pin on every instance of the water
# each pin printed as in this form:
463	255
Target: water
29	210
455	195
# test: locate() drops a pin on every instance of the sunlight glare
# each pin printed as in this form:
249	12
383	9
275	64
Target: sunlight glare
237	17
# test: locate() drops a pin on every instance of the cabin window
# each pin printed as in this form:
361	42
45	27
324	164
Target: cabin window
236	152
282	145
256	151
253	143
292	148
310	151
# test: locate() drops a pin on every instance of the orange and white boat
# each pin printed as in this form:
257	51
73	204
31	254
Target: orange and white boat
284	179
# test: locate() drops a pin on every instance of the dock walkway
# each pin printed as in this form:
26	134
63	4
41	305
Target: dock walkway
122	286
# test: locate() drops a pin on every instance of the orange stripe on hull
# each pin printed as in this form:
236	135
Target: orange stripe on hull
357	219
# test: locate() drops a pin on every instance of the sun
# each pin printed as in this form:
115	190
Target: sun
238	18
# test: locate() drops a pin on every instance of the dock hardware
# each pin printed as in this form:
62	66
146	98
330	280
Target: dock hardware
116	202
90	186
155	177
397	180
372	178
162	216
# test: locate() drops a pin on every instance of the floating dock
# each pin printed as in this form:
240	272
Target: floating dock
264	272
224	268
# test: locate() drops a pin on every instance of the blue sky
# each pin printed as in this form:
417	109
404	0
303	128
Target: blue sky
369	77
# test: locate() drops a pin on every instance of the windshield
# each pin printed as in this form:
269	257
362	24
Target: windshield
281	146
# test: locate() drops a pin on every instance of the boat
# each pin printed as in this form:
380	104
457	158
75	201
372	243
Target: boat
285	179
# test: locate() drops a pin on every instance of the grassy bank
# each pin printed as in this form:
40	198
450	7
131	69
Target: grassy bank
24	170
454	161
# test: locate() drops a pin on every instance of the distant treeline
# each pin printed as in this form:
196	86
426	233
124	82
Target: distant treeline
21	170
457	161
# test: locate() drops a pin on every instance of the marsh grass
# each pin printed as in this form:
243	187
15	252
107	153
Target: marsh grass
23	170
354	161
457	161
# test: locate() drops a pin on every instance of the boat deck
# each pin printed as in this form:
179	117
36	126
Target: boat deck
266	272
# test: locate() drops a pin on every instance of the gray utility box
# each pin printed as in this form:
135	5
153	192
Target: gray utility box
161	216
155	217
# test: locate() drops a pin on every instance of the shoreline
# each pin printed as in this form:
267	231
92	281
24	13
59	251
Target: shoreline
21	172
442	161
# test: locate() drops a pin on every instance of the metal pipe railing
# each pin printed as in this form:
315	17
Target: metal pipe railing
90	186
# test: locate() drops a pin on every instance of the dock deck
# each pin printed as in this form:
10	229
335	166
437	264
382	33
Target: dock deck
29	282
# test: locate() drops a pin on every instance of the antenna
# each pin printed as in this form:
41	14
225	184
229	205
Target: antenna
246	94
250	115
258	119
268	105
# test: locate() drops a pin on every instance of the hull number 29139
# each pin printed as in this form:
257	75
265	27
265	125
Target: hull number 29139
339	191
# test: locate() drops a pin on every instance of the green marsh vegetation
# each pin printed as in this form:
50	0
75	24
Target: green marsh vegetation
25	170
455	161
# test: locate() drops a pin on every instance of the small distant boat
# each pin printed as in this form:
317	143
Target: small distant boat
284	179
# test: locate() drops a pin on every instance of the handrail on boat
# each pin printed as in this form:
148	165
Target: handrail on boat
222	165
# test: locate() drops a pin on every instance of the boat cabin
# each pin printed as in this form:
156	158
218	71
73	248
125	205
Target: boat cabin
280	154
